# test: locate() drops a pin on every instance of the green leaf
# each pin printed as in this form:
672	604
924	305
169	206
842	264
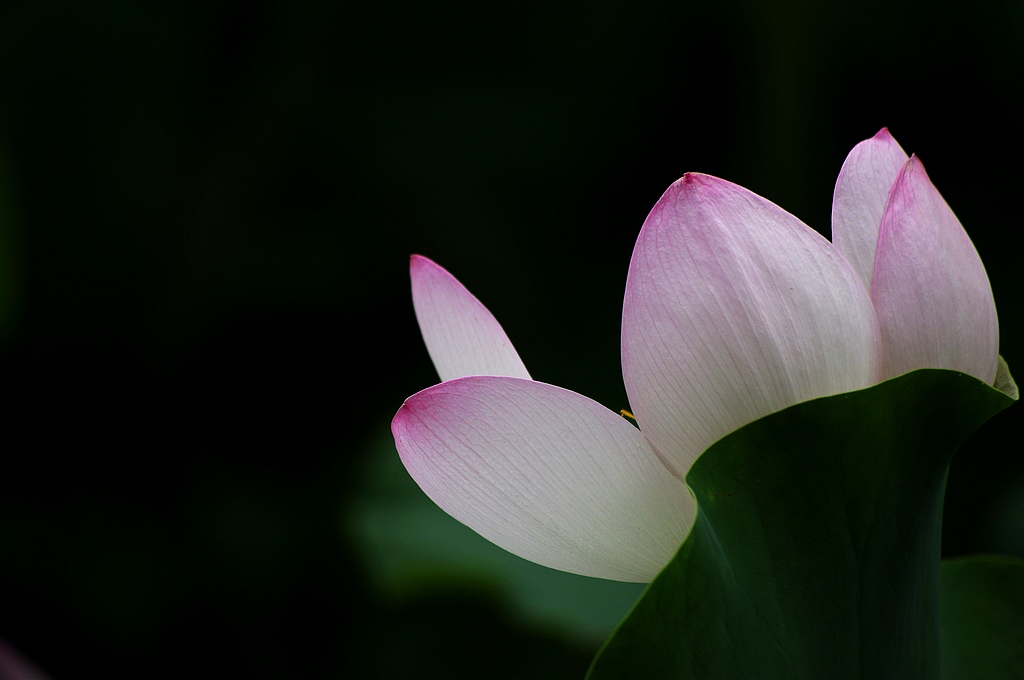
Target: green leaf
815	553
982	613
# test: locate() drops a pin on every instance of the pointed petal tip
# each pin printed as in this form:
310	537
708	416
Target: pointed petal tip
422	268
419	262
884	138
858	201
912	173
931	292
462	336
402	411
690	185
697	179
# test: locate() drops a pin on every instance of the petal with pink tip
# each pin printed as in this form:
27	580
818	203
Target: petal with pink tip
930	289
545	473
859	199
735	309
462	336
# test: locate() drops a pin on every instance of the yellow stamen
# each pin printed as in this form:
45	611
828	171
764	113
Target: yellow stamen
629	415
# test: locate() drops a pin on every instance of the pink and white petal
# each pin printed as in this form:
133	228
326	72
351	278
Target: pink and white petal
861	192
462	336
932	295
545	473
735	309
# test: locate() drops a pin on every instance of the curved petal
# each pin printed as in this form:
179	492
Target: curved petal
930	289
859	199
462	337
735	309
545	473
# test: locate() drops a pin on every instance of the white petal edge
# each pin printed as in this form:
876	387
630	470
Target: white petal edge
930	289
861	192
462	336
545	473
735	309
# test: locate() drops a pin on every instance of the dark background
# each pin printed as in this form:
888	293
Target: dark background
206	213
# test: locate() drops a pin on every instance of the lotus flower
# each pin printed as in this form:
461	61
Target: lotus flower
733	309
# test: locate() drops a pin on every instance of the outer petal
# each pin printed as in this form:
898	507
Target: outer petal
859	199
462	337
735	309
930	289
545	473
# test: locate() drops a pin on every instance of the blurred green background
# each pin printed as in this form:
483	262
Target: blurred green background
206	213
